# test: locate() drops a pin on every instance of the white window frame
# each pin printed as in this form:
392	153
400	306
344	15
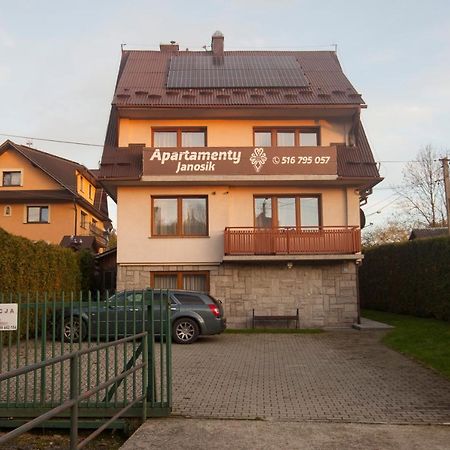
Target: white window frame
11	170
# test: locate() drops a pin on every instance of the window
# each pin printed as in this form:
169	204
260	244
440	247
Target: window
308	138
37	214
7	211
263	139
287	211
179	137
12	178
192	281
180	216
81	184
284	137
189	299
83	219
91	191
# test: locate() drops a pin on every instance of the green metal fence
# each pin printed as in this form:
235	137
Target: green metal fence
52	325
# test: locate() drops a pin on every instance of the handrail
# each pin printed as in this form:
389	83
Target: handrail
292	240
75	395
287	228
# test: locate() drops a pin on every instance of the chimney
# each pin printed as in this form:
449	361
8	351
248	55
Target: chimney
173	47
217	44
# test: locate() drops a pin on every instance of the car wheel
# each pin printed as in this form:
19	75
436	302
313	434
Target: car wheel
185	331
74	329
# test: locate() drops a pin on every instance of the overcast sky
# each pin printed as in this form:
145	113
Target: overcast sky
59	62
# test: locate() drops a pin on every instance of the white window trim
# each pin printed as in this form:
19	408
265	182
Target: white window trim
5	169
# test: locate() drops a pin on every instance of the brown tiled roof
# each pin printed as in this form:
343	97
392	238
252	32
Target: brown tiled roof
63	171
33	196
83	243
143	76
425	233
142	82
357	161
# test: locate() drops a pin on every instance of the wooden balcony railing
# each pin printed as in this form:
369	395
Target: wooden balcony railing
99	234
292	241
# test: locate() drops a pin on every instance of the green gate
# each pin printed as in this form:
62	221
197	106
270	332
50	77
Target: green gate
53	325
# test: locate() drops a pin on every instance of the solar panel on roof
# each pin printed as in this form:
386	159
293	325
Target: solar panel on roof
239	71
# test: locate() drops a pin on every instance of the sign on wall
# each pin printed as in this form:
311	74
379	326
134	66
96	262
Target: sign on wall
8	316
240	161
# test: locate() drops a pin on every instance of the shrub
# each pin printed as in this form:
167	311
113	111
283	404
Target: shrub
408	278
27	266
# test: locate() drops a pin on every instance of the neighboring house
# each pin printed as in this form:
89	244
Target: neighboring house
240	173
45	197
424	233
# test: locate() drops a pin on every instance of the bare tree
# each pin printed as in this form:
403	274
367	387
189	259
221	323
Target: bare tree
423	189
395	229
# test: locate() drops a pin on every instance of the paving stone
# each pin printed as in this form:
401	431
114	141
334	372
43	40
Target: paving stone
343	376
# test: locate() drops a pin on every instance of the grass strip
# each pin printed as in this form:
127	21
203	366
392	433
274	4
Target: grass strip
426	340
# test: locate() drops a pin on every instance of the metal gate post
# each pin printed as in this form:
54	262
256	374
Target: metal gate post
150	328
74	394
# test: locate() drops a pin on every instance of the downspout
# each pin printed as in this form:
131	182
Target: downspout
358	300
76	217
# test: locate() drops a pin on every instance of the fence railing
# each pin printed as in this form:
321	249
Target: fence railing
75	396
54	325
292	241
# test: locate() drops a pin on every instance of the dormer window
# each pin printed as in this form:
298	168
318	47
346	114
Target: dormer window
12	178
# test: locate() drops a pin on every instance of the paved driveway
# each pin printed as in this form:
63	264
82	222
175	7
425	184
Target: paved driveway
345	376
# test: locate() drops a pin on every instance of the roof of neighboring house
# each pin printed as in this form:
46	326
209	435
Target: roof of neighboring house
110	252
144	78
79	243
63	171
424	233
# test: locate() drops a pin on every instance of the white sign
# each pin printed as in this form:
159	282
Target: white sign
8	316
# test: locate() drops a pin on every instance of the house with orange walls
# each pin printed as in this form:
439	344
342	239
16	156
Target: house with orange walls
45	197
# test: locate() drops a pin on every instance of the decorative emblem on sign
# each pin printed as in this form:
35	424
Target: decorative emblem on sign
258	158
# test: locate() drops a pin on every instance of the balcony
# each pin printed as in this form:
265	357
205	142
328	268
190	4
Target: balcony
293	242
99	235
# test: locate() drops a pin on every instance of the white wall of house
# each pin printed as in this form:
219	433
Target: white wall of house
227	207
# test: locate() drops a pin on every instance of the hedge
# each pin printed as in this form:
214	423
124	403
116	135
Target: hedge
27	266
408	278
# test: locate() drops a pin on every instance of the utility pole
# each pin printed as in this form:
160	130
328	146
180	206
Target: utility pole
447	189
